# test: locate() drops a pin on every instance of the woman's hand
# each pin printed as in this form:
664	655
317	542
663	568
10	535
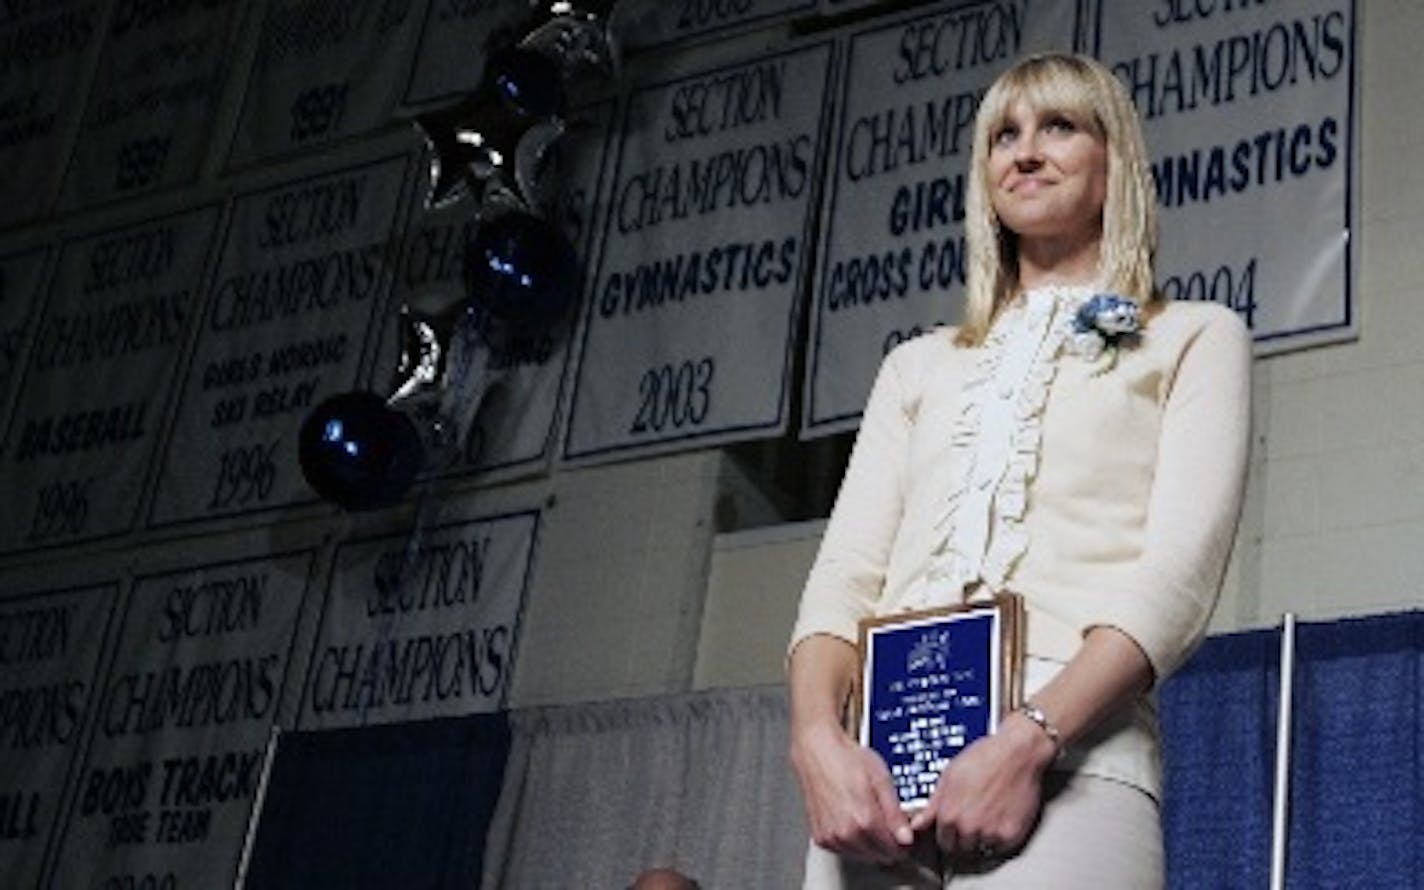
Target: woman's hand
987	799
850	801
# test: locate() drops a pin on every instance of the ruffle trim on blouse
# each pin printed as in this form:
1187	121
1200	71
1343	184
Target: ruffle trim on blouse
981	528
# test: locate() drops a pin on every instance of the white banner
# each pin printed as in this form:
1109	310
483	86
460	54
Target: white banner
174	760
303	268
45	50
646	23
513	431
693	308
20	280
155	99
325	70
892	258
454	37
88	418
49	659
423	627
1250	125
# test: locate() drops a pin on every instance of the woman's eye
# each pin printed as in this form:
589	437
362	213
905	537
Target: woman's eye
1005	135
1060	125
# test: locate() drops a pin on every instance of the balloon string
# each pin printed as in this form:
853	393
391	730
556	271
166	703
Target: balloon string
470	379
459	405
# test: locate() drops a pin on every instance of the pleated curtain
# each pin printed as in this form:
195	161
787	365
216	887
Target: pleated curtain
596	793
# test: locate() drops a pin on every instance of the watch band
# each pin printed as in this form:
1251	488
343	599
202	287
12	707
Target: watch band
1035	713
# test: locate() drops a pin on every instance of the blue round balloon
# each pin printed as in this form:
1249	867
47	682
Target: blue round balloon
522	271
529	81
359	453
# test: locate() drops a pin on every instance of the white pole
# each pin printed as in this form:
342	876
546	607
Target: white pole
258	801
1280	811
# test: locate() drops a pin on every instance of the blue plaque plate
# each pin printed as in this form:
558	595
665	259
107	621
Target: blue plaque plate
933	682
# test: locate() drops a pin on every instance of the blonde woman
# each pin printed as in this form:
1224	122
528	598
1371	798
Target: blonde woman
1076	440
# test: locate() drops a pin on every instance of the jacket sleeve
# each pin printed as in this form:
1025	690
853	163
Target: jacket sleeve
1195	501
848	574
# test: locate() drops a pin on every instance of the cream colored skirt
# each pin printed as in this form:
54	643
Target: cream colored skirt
1094	833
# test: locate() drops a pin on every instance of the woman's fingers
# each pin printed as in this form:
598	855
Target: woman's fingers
889	801
852	805
986	800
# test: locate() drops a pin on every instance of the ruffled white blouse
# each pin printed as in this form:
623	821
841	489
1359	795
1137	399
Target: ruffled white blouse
994	445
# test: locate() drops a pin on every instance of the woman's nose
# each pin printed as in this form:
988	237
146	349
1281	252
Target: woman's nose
1026	151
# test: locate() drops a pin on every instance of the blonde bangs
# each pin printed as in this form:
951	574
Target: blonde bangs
1044	87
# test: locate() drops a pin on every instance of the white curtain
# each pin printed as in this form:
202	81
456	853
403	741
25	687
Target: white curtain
595	793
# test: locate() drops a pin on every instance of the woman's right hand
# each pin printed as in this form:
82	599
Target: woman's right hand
850	801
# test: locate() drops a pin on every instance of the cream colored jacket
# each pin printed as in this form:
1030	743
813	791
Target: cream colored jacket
1105	492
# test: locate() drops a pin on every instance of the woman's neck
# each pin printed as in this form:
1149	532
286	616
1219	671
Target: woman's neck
1045	262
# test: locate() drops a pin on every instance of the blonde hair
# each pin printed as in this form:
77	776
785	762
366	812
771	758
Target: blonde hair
1086	92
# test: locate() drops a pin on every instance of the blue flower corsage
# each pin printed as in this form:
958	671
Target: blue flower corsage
1104	324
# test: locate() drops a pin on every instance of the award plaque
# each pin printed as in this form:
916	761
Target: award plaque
932	682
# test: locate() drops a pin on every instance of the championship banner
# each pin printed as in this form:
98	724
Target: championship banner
451	52
513	429
44	53
88	419
324	70
1250	125
155	99
423	627
840	7
176	753
303	266
693	309
648	23
49	659
20	280
892	260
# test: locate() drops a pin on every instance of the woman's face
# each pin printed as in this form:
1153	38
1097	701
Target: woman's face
1048	177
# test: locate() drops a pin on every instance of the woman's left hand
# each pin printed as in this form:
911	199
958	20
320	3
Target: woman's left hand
987	799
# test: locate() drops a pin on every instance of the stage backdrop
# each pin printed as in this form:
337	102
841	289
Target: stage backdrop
50	645
651	23
176	749
420	624
21	274
303	268
46	55
121	308
323	71
692	310
155	100
451	49
1250	122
